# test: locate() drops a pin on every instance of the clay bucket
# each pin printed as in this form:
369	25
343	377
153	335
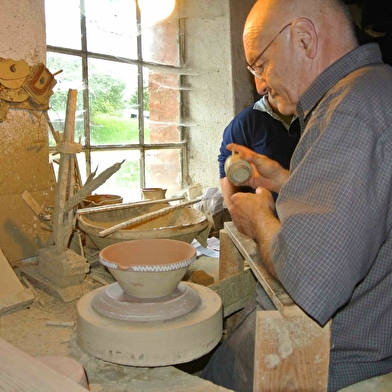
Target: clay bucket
148	268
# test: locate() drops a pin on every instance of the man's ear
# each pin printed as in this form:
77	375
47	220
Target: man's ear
306	36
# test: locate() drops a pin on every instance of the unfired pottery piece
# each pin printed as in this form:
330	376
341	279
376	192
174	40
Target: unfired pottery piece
183	226
237	170
148	268
153	193
101	200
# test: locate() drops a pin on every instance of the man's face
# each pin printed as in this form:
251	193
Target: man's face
274	62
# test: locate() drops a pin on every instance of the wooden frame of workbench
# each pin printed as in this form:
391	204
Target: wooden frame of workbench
292	350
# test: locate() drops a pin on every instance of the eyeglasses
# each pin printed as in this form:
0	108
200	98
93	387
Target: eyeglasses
250	67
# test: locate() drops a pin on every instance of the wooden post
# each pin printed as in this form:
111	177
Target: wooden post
62	220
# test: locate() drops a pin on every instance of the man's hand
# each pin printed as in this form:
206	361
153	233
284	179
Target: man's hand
254	216
249	210
267	173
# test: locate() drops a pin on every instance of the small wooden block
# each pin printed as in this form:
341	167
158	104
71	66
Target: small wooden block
202	278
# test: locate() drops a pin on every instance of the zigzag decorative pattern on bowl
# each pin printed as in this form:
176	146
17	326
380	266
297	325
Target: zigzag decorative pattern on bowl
153	268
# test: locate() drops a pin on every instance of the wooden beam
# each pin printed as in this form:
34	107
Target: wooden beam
19	372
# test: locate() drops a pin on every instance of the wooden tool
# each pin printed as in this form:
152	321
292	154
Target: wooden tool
146	217
121	206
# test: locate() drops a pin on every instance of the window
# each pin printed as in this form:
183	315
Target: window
128	77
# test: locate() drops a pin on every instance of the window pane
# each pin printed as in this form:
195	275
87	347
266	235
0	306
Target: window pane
70	78
116	93
163	168
126	181
111	27
113	102
63	23
164	116
160	42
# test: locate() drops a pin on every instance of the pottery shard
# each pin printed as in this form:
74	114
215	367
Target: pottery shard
202	278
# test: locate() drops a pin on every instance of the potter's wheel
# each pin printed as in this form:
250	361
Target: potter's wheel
177	328
113	302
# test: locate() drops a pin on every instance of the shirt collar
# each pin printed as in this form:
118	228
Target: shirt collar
264	106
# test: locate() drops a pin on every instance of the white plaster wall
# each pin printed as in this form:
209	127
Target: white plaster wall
23	30
222	87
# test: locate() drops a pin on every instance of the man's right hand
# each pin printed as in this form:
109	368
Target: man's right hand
267	173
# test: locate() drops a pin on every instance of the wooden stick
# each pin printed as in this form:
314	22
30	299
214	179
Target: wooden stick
100	280
32	203
61	323
91	186
122	206
63	220
146	217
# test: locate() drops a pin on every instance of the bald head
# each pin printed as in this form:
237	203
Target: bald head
331	18
288	43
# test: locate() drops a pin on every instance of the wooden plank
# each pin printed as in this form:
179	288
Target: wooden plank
19	372
231	261
13	294
249	250
65	294
21	233
235	291
26	196
291	354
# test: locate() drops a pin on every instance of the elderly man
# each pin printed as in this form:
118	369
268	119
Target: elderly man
328	238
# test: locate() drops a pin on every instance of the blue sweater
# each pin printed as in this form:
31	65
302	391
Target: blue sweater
261	133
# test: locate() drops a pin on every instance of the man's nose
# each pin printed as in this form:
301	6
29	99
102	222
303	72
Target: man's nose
261	86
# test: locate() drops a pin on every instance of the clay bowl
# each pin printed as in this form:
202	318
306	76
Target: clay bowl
101	200
148	268
182	226
153	193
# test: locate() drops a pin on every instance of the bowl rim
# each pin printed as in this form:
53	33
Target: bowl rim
149	268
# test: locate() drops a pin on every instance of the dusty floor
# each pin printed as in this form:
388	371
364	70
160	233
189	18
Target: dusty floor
30	330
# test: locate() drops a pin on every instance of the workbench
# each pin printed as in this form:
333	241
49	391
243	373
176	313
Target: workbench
236	274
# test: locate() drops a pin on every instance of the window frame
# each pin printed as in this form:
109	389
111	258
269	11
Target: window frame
141	146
